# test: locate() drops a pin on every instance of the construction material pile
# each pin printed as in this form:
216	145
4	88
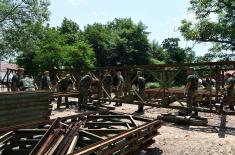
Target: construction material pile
88	133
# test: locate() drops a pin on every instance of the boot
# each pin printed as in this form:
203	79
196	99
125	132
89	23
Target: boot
140	110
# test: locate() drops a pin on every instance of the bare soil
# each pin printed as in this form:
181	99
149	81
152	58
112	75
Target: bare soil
176	139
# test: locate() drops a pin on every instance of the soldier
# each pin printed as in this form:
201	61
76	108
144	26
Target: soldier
191	90
84	90
16	79
141	88
229	90
63	86
27	84
120	86
46	81
107	84
208	83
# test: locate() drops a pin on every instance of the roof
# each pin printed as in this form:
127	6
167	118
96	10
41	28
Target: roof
4	66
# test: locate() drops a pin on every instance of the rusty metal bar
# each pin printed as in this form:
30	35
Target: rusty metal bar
44	138
98	146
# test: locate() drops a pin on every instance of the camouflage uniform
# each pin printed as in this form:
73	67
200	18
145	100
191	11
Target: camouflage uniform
45	82
229	92
141	88
207	83
63	87
15	81
107	84
120	86
84	89
192	91
26	84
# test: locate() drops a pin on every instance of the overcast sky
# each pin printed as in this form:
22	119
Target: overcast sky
162	17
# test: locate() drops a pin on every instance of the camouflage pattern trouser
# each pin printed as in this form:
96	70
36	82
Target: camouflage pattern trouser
108	90
83	96
59	101
229	99
141	94
191	99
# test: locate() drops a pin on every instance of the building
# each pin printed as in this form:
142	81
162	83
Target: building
4	66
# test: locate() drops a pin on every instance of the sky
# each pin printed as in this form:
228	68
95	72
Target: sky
162	17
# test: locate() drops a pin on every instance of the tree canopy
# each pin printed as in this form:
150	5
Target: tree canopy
36	45
215	23
21	24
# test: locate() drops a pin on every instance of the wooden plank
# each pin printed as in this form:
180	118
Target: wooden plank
185	120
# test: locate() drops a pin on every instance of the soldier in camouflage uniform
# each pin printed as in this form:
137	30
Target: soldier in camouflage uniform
46	81
27	84
107	84
16	79
191	90
141	88
229	90
64	85
84	90
120	86
208	83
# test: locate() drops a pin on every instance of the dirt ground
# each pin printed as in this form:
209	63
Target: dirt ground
180	139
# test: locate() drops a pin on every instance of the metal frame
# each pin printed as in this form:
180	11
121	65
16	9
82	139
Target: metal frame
164	74
99	132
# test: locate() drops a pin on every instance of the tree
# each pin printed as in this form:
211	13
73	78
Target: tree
51	53
54	52
219	30
175	53
102	41
81	55
133	44
21	24
71	31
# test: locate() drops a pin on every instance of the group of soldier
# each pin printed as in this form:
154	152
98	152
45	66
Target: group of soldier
20	82
108	84
191	89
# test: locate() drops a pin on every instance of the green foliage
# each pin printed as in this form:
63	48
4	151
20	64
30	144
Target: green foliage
152	85
214	23
120	42
176	54
21	25
70	30
80	55
39	47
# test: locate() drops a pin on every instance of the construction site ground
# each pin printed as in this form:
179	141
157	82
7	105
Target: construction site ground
176	139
